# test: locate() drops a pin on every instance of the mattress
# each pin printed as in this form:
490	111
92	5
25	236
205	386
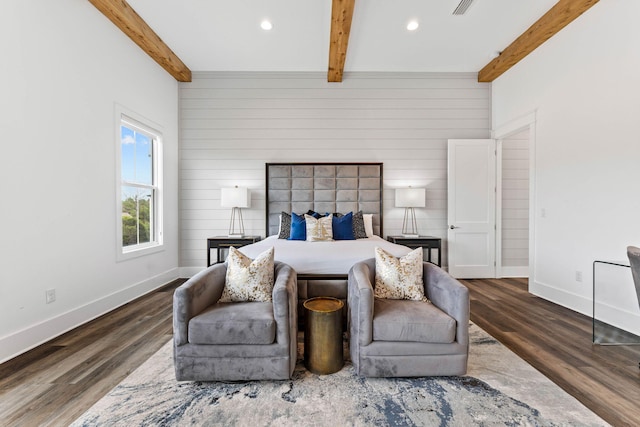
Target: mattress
333	257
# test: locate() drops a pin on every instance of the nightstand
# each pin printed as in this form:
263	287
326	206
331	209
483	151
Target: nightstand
223	242
425	242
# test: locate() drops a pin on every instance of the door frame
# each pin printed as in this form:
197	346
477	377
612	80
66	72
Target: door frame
517	125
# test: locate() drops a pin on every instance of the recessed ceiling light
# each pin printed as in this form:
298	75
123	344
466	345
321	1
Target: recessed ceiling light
266	25
412	25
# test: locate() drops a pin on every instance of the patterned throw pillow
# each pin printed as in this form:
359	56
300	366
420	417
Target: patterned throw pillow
247	279
399	278
285	226
319	229
358	226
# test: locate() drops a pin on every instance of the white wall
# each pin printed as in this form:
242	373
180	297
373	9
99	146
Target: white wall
232	124
584	85
64	67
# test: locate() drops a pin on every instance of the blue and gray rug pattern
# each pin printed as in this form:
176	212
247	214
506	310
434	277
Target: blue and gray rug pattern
152	397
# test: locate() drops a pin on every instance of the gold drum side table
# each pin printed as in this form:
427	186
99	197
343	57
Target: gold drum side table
323	335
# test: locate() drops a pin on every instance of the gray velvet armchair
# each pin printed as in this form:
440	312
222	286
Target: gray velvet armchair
401	338
237	340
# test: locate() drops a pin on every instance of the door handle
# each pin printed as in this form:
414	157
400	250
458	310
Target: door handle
453	226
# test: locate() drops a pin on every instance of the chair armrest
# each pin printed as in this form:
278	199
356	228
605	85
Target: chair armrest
450	296
285	300
193	296
361	302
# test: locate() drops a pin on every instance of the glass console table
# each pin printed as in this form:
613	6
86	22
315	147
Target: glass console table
609	320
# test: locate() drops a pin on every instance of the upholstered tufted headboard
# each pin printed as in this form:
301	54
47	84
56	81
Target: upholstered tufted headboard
323	187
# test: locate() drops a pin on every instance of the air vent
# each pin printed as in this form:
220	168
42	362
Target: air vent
462	7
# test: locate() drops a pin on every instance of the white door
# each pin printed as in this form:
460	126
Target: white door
471	208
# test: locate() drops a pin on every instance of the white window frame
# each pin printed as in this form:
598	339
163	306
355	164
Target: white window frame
143	125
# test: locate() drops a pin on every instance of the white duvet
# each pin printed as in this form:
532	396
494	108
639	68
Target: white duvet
335	257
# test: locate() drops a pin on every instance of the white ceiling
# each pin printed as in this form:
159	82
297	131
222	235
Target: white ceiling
216	35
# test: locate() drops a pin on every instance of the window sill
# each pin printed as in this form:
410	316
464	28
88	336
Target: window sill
126	254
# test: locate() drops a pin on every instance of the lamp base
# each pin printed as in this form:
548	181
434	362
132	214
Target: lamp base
236	225
409	227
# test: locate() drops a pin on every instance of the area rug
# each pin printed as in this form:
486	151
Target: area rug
499	389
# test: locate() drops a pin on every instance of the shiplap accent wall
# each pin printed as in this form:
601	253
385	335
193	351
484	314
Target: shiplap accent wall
515	203
231	124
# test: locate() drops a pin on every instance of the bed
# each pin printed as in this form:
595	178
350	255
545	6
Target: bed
322	267
323	259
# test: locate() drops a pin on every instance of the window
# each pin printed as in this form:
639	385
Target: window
139	198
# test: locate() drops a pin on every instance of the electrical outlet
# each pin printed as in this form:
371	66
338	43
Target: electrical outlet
578	276
51	295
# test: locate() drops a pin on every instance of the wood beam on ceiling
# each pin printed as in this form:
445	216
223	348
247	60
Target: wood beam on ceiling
341	15
556	18
125	18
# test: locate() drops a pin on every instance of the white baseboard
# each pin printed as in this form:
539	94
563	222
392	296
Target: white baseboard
619	318
561	297
515	272
615	316
24	340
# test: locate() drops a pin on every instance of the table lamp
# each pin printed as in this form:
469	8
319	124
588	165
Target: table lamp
410	198
235	198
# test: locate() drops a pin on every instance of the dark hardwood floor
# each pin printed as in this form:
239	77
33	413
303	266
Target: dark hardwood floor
56	382
557	342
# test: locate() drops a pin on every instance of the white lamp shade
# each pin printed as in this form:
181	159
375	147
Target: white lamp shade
235	197
410	198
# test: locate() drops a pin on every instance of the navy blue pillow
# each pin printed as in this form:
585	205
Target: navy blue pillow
298	227
343	227
314	214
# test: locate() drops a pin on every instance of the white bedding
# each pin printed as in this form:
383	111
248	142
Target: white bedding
336	257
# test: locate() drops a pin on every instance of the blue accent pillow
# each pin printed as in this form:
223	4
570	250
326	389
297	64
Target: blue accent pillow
343	227
298	227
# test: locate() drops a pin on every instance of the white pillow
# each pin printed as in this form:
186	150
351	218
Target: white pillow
368	224
399	278
319	229
247	279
